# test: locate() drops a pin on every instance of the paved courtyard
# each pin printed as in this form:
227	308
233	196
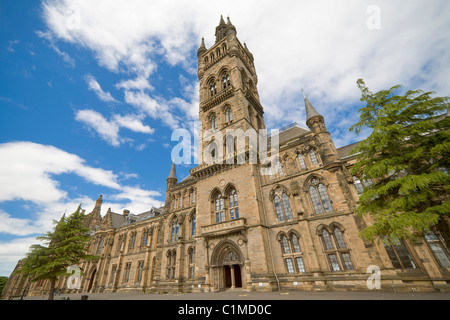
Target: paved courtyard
243	295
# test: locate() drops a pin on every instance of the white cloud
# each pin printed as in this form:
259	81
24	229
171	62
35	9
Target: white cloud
26	169
12	251
132	123
51	43
29	172
95	86
15	226
108	130
140	83
156	108
321	46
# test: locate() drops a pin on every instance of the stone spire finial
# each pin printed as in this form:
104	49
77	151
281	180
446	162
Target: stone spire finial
311	112
173	173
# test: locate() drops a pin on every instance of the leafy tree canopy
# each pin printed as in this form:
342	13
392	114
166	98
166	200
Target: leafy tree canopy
64	246
407	157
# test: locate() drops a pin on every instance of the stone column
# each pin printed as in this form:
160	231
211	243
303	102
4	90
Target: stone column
233	280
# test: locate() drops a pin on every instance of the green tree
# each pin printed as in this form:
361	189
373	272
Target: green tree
3	281
407	157
64	246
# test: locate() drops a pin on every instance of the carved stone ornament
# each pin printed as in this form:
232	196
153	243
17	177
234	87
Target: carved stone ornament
231	257
295	189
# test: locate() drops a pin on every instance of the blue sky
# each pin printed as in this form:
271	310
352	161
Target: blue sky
91	91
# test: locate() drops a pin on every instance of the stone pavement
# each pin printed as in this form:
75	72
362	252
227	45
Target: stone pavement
243	295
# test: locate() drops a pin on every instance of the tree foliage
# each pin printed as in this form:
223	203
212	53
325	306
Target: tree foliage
64	246
407	157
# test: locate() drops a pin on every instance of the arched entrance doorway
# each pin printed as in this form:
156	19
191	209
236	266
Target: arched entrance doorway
227	266
232	271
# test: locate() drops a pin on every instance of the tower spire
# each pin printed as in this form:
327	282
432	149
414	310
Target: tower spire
172	178
221	29
311	112
202	48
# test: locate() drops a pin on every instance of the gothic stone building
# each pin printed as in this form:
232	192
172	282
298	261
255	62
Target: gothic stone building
228	225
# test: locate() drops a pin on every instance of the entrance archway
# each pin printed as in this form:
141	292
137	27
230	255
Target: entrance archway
227	266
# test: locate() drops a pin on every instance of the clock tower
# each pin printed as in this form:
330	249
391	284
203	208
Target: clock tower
229	99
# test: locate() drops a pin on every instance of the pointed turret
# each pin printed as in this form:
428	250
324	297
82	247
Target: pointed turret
202	48
311	112
221	30
172	178
171	181
94	219
316	123
201	61
231	26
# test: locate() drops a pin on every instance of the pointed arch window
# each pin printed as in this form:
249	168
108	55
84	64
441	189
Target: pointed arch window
120	243
213	151
437	246
213	89
301	161
279	167
226	81
127	272
171	264
145	237
228	115
282	207
132	240
286	206
319	197
339	238
100	245
295	243
313	157
234	209
193	225
219	208
358	185
230	145
399	254
193	196
191	258
174	230
335	250
285	245
292	255
213	122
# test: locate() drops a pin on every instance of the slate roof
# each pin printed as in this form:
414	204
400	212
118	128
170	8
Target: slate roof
120	220
344	151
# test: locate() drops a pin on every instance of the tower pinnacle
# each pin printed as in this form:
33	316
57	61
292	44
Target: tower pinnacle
172	178
311	112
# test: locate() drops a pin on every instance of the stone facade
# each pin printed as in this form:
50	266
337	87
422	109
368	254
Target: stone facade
287	224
